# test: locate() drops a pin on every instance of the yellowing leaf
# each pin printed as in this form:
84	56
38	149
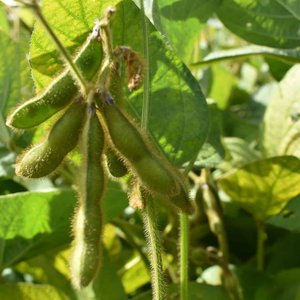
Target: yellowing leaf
264	187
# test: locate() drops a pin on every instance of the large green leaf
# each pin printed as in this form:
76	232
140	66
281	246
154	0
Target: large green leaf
34	222
30	291
180	21
264	187
178	113
262	22
282	118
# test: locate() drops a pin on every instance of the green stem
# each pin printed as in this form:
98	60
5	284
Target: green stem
146	98
184	240
81	81
154	246
149	214
261	237
184	245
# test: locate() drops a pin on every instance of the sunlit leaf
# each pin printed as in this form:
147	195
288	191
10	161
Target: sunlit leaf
264	187
282	118
34	222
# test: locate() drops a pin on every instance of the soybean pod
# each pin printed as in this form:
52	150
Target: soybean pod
88	221
153	171
115	165
44	158
61	90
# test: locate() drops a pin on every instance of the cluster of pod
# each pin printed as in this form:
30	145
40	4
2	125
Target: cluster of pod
111	143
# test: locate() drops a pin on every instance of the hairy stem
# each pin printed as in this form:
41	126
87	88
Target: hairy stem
149	214
154	248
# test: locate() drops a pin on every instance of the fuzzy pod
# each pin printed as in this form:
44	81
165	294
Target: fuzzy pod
115	165
60	92
182	200
44	158
88	222
153	171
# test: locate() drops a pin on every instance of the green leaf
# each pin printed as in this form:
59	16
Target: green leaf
47	269
282	118
212	152
4	26
222	85
262	22
264	187
30	291
289	282
285	55
180	21
239	153
289	218
283	254
108	285
136	276
34	222
178	112
15	78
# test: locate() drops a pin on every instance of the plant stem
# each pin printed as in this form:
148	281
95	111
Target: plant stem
149	213
184	245
146	98
214	214
184	249
81	81
154	247
261	237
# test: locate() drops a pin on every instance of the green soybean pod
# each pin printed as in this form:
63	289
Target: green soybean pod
182	200
88	222
115	165
153	171
44	158
61	90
